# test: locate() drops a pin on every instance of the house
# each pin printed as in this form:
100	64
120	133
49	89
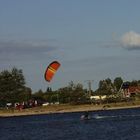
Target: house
131	91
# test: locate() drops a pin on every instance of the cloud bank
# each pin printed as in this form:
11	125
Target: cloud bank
131	40
25	47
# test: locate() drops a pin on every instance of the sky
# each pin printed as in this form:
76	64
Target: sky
92	39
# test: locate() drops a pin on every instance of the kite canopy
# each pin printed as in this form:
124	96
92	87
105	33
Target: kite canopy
51	70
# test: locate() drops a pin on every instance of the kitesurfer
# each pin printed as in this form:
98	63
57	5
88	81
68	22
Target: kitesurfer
85	116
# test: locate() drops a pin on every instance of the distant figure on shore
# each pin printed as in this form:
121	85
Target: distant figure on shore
105	107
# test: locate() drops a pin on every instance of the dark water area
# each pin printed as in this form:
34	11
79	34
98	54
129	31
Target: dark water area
105	125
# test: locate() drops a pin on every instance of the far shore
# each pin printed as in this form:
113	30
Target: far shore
66	108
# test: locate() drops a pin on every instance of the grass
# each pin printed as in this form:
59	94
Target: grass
66	108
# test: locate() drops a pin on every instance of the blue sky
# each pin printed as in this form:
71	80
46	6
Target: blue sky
92	39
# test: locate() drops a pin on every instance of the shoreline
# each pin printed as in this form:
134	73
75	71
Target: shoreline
54	109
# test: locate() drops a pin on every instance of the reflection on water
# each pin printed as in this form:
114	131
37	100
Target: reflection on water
104	125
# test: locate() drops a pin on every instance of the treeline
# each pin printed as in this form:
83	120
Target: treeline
13	89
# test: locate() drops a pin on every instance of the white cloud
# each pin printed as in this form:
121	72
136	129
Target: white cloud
131	40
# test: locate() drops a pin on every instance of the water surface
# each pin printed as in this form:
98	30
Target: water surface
104	125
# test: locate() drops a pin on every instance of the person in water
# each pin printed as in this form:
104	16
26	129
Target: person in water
85	116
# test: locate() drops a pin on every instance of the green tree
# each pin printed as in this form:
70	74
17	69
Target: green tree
64	95
73	93
105	87
77	93
134	83
39	95
12	85
26	95
117	83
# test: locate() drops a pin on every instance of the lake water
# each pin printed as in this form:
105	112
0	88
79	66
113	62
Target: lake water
105	125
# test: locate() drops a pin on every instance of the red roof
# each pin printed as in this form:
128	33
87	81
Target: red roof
134	89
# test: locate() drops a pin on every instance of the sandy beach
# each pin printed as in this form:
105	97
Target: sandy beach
64	109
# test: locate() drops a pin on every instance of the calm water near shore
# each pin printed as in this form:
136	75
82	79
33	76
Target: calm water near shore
104	125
